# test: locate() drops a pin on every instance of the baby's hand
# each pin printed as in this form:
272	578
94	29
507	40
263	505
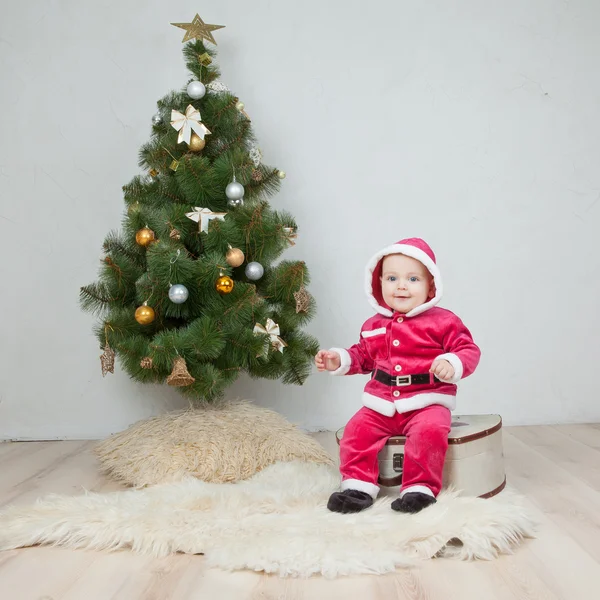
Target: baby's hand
442	369
327	361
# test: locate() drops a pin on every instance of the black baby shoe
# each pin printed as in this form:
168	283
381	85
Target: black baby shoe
349	501
412	502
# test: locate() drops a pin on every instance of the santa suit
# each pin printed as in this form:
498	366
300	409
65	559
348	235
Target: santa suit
402	397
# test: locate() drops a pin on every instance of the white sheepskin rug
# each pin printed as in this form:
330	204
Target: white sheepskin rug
276	521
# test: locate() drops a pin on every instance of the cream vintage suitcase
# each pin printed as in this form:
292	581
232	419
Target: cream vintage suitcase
474	462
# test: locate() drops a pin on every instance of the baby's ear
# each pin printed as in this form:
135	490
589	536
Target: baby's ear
431	293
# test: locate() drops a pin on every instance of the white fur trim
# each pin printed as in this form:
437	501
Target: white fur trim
383	407
367	334
422	400
456	363
415	253
345	360
361	486
417	488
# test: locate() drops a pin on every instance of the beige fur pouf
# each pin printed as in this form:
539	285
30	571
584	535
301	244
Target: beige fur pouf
216	443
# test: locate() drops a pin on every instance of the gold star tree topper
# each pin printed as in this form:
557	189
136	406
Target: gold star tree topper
198	30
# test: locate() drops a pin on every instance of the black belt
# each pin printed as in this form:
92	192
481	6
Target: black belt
404	380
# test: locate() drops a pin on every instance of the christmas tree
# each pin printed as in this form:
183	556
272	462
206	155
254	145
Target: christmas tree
189	292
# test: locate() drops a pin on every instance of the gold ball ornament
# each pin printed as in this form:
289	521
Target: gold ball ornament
224	285
144	314
196	143
240	106
145	236
234	257
281	174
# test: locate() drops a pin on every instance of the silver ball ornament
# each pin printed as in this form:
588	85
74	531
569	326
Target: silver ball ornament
196	90
240	106
235	202
254	271
281	174
234	190
178	293
157	119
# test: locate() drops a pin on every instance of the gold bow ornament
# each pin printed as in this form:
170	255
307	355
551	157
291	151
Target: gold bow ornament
272	330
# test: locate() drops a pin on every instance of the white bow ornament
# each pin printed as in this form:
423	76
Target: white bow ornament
203	216
188	122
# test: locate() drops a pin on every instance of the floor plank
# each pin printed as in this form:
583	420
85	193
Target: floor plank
586	434
565	499
58	467
565	452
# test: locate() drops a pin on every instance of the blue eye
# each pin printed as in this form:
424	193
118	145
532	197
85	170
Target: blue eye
391	278
413	279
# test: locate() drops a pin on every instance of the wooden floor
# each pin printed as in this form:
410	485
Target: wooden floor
556	468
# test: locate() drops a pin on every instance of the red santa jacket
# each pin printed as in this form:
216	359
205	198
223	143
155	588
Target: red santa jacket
400	346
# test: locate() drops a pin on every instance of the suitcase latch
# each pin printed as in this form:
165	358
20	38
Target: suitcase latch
398	462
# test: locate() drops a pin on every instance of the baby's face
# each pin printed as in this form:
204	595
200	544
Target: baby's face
405	283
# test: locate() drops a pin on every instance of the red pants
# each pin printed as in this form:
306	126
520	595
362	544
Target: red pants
426	432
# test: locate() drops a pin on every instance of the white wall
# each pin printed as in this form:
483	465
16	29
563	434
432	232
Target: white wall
472	124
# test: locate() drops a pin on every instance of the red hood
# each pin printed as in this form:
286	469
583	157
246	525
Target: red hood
415	248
